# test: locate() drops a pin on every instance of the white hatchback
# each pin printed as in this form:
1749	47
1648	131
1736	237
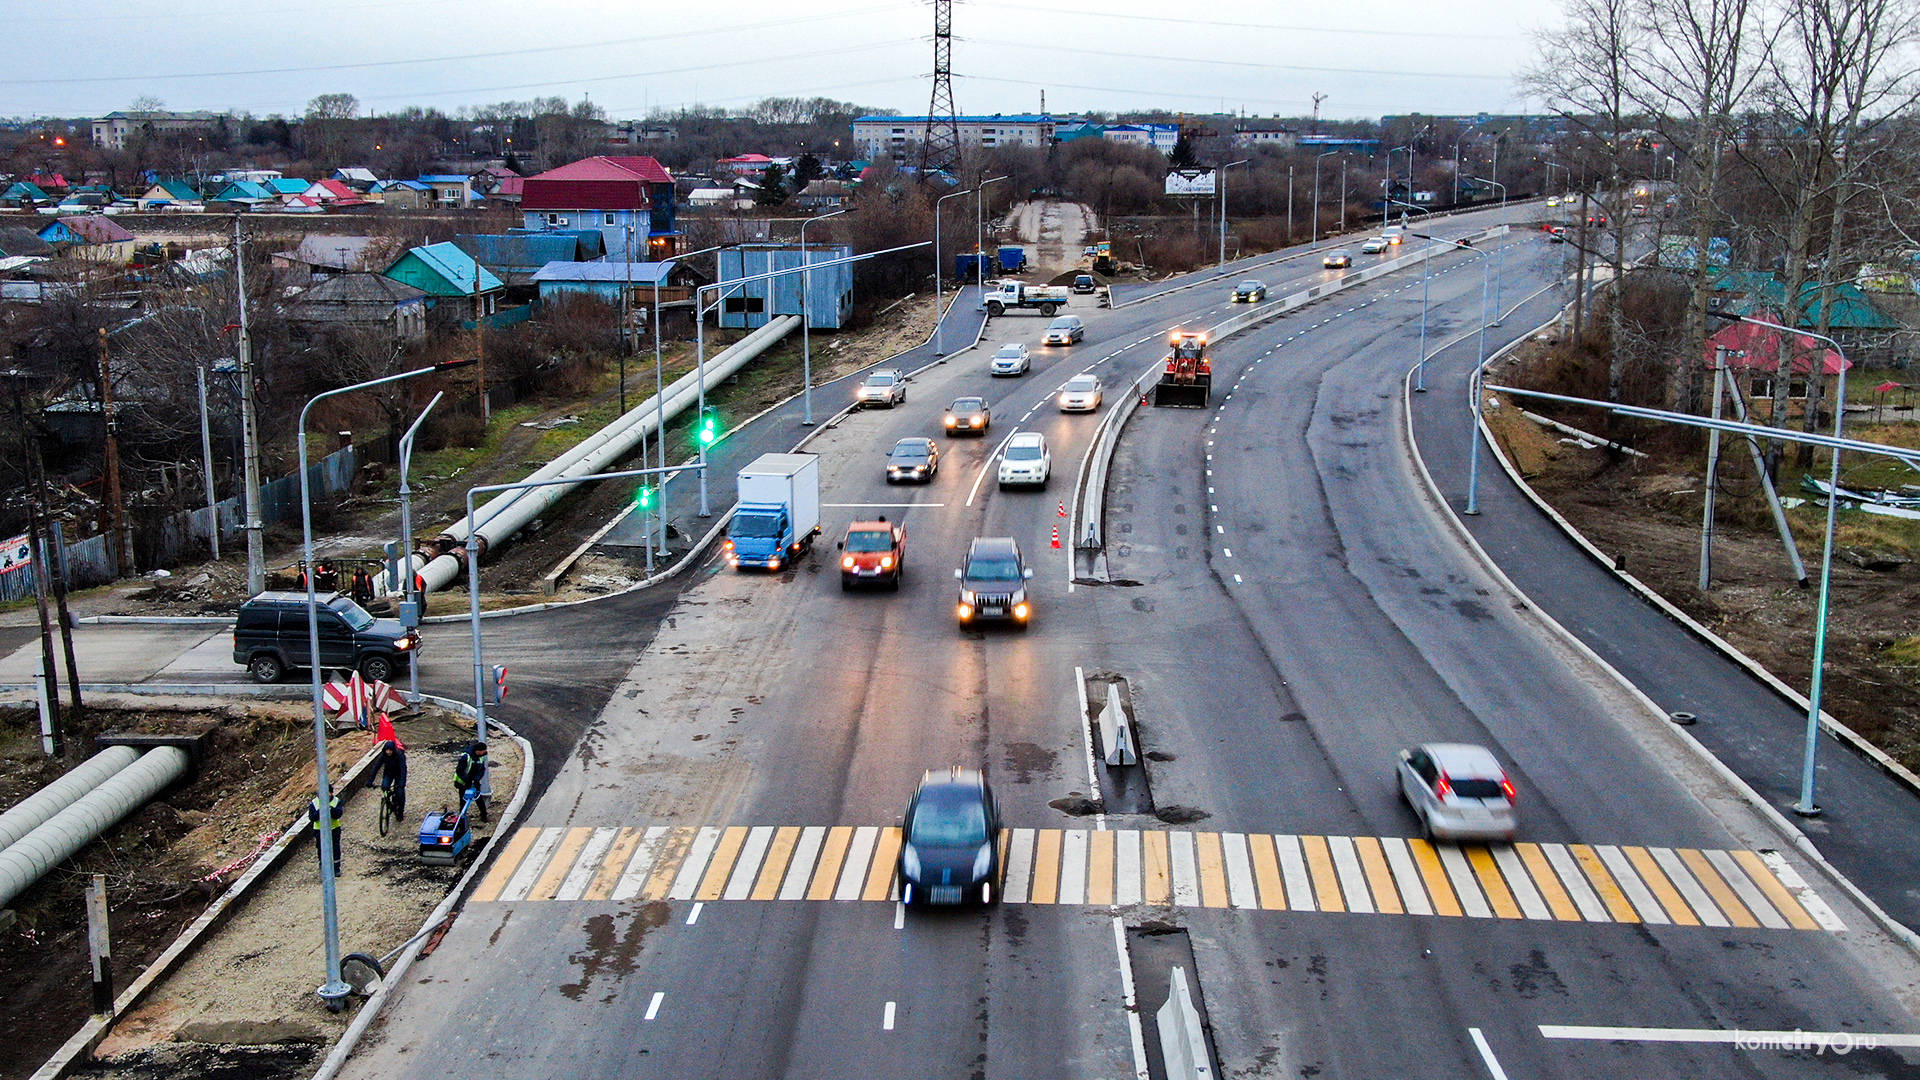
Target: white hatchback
1026	462
1081	394
1458	791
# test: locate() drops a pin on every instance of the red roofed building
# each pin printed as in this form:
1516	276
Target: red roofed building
629	199
751	166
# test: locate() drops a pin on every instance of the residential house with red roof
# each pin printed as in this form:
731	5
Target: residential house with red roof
629	199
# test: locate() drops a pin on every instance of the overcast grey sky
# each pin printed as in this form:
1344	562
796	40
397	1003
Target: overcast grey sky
1369	57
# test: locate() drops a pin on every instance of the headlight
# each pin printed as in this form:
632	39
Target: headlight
983	861
404	643
909	861
977	419
1020	611
886	562
773	562
950	421
965	611
846	562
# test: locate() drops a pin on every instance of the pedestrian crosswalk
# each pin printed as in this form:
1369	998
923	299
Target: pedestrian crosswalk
1385	875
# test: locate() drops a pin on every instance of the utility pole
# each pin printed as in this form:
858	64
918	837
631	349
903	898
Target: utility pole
1579	268
116	499
1317	99
479	349
940	143
30	449
249	427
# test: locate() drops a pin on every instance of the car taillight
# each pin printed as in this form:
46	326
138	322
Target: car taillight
1506	785
1443	787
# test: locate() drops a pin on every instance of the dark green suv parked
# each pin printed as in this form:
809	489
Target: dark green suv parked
270	637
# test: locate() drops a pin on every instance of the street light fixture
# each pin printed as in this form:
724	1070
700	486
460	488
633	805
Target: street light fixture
938	322
1386	194
334	991
659	392
806	318
1500	264
1473	383
405	585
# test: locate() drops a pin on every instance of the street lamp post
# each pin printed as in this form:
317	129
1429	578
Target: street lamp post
1806	807
980	231
1223	206
406	586
1386	194
939	323
1426	275
1473	383
1315	212
1500	264
334	991
806	318
659	391
1456	161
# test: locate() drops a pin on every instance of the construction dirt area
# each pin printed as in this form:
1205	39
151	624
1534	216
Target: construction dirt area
242	1003
1647	513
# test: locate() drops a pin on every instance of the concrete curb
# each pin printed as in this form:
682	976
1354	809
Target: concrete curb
82	1043
445	910
278	691
1771	814
155	620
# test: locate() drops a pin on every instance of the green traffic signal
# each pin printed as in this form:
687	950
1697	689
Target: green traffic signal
644	497
709	431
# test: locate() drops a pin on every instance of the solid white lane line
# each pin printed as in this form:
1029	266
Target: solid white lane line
879	506
694	915
991	458
886	1021
1819	1041
800	870
1486	1055
1132	1002
653	1007
899	915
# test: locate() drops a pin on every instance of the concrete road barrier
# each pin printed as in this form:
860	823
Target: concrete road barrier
1116	731
1183	1042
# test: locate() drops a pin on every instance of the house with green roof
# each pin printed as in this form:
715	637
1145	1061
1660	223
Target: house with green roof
1868	334
444	272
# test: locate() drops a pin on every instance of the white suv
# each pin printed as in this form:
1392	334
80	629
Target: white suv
1026	461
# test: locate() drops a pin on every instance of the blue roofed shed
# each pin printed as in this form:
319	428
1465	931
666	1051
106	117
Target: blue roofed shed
606	280
514	256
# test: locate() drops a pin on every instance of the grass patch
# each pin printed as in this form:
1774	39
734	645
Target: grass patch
1905	652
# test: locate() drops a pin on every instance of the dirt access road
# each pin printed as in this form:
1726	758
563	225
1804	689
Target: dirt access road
1054	231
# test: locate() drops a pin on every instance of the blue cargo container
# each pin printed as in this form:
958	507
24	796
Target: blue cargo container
1013	259
966	267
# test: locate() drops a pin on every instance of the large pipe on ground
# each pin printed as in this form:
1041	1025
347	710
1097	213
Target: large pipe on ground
57	838
62	793
510	511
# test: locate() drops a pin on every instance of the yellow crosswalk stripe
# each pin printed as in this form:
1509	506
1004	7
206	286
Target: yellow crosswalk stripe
1266	872
775	870
1374	861
1716	887
1662	889
506	864
1435	875
1235	871
1499	898
1542	873
1213	870
1100	867
1604	884
830	857
1046	867
1782	900
1326	884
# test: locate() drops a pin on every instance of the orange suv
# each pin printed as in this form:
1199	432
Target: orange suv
873	551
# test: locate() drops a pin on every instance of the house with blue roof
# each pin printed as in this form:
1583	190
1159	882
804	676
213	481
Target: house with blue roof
246	193
288	186
24	195
451	191
514	256
1861	328
402	194
606	280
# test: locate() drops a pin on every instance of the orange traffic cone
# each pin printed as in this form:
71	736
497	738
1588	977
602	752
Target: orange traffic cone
1056	536
1063	510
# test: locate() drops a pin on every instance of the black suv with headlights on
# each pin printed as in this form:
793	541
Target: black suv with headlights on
270	637
949	850
993	583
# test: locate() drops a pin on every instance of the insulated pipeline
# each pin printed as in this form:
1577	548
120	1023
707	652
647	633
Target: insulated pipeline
73	828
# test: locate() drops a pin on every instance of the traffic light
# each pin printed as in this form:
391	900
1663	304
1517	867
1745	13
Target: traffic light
708	431
643	498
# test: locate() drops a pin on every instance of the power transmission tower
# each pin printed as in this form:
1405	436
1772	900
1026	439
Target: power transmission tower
940	145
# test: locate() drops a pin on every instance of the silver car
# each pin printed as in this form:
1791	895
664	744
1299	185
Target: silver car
883	386
1081	394
1064	330
1458	791
1012	359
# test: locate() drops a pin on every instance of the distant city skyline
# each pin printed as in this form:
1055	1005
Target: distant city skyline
1368	57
